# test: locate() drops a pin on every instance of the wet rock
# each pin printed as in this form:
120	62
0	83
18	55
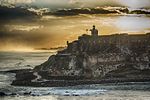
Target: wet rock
75	95
66	92
13	94
2	94
27	93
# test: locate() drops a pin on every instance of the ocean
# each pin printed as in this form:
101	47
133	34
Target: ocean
26	60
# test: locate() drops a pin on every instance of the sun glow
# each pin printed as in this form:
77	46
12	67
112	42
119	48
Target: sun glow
18	50
24	49
135	3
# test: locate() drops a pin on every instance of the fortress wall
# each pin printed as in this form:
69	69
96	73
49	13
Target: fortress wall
123	39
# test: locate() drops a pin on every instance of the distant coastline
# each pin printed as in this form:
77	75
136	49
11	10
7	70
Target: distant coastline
54	48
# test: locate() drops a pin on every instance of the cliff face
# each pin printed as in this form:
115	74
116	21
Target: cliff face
95	57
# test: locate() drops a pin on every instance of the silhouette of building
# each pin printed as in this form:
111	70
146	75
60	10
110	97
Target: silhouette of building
94	31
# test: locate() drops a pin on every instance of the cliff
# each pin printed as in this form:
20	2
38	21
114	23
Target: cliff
93	59
95	56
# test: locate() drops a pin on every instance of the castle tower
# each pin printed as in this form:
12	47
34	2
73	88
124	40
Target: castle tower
94	31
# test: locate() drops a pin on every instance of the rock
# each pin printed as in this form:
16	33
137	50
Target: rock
75	95
13	94
92	60
95	56
27	93
2	94
66	92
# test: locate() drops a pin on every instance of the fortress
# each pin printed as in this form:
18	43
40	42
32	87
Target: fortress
94	59
117	43
95	56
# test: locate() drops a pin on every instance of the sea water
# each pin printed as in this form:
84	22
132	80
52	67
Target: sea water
24	60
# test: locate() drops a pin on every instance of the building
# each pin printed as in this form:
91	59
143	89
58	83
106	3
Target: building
94	31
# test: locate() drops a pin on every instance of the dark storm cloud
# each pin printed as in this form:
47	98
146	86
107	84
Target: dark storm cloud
7	13
11	15
106	10
18	26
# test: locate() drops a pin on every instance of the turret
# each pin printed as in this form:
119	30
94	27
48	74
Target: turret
94	31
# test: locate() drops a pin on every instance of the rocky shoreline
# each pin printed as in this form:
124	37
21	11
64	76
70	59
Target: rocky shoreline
26	78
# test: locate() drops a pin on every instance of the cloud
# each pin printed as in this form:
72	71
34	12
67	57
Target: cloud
133	23
74	2
135	3
7	14
3	2
55	4
128	3
97	10
39	11
22	27
25	26
94	3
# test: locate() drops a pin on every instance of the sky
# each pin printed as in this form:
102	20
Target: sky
23	30
78	3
